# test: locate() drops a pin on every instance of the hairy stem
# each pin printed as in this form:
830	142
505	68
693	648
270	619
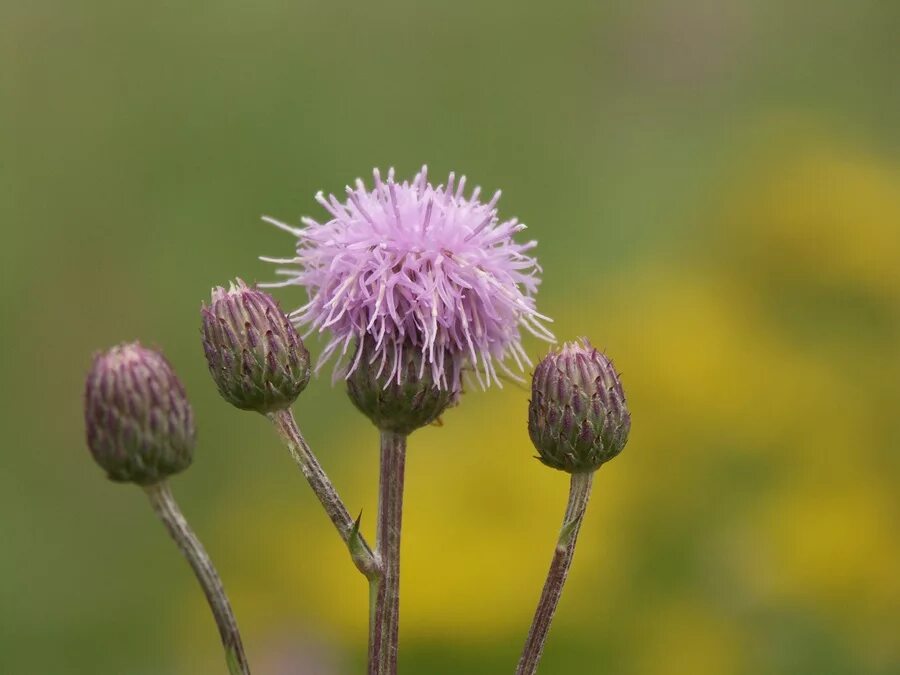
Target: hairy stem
384	597
360	552
167	509
579	493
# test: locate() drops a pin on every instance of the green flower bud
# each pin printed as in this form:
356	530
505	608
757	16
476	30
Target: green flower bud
401	396
255	356
140	427
577	417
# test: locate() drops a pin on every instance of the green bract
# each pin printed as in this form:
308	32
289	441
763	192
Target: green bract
401	402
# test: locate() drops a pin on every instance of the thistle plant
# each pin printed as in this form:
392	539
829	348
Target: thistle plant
577	420
418	279
259	363
419	290
140	429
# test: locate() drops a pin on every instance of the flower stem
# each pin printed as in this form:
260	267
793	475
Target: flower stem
579	493
167	509
384	597
360	552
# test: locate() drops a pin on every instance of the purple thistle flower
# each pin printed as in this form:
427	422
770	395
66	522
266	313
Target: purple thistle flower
413	266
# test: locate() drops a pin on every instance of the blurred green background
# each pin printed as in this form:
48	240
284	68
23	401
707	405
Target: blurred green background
716	191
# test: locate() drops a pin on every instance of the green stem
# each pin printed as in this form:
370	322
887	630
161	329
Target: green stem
360	552
384	595
167	509
579	493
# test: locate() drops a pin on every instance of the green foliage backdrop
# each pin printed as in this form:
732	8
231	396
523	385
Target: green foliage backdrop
714	186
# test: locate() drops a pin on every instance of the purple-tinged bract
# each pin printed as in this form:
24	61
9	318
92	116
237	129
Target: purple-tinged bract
140	426
412	266
577	417
255	356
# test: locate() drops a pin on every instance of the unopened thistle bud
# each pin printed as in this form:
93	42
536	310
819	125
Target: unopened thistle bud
140	426
399	397
255	355
577	417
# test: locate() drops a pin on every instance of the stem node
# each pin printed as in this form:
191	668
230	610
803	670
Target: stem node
360	552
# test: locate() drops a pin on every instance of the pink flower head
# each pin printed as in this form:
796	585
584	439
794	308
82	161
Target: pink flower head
413	266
